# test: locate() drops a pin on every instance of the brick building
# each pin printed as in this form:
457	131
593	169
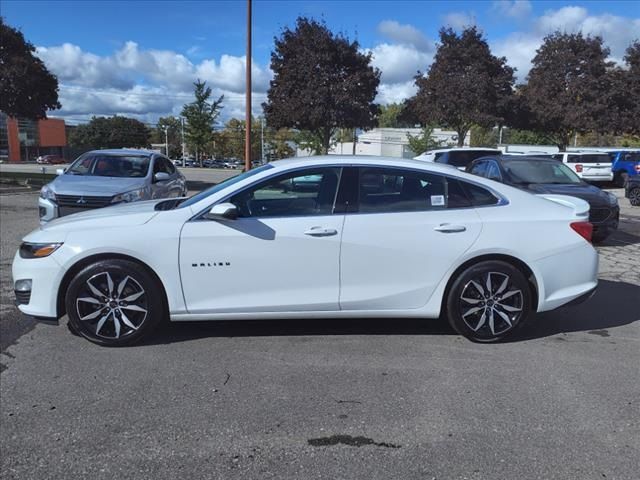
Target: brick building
22	140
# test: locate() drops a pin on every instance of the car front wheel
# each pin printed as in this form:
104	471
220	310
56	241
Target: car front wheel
488	301
634	196
114	303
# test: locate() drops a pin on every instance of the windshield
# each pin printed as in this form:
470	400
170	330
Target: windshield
103	165
535	171
226	183
626	156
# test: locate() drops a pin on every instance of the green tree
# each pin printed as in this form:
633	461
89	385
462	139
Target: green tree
322	82
173	128
631	87
567	86
483	136
280	144
423	141
111	132
201	116
391	116
465	85
27	88
525	137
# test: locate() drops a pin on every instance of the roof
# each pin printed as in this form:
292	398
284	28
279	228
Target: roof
124	151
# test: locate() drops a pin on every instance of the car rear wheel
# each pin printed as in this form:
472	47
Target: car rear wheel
488	301
634	196
114	303
620	179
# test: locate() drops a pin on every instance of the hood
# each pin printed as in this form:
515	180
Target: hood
589	193
68	184
120	215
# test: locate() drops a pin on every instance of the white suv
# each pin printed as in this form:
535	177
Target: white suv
458	157
590	166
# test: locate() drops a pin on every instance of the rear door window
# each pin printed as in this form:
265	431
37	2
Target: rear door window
462	158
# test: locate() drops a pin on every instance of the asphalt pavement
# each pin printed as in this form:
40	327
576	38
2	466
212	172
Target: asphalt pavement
312	399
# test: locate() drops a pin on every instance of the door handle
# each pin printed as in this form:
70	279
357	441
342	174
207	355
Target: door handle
448	228
321	232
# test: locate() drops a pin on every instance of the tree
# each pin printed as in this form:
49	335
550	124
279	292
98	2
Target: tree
466	85
201	116
631	87
321	83
111	132
483	136
27	88
567	86
391	116
173	127
280	144
424	141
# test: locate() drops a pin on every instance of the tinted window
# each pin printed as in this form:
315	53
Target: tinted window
393	190
462	158
595	158
478	195
110	165
493	172
479	168
307	192
539	171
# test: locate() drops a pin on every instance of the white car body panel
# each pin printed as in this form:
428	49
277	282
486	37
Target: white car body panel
377	265
594	172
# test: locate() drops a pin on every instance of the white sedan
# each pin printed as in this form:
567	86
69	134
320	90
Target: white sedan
330	237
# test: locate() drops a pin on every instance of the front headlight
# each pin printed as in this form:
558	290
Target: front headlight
38	250
131	196
613	200
47	193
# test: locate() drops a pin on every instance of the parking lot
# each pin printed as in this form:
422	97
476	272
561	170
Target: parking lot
363	398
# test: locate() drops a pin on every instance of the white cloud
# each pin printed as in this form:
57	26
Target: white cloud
395	92
405	34
459	20
516	9
399	63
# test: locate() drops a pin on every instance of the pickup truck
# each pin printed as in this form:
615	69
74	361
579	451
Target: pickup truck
624	164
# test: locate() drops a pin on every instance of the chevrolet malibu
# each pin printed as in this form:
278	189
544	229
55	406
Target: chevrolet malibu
324	237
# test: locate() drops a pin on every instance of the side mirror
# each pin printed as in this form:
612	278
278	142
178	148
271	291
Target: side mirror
161	177
223	210
59	171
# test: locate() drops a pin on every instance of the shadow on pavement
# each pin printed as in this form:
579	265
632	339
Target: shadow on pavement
614	304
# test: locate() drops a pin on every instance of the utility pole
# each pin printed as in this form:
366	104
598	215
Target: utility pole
182	133
355	139
247	135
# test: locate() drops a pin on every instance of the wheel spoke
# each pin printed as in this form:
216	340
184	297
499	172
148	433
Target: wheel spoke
472	301
491	322
110	284
503	287
126	321
510	294
121	286
134	297
509	308
91	316
116	325
504	316
488	283
135	308
101	322
478	287
472	310
481	322
94	290
90	300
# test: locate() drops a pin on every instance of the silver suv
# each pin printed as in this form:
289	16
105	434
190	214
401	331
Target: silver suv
106	177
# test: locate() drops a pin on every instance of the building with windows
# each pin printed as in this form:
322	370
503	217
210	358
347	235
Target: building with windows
22	140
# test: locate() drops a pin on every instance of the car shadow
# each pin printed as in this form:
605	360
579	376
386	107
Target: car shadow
618	238
614	304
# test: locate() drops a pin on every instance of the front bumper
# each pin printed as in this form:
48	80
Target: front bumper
45	275
606	224
47	210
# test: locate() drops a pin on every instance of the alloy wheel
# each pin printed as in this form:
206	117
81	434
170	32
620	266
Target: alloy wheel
634	196
112	305
490	304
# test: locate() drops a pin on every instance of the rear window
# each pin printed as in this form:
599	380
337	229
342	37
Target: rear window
595	158
462	158
478	195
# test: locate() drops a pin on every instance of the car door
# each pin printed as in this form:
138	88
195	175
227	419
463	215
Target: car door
163	188
280	254
493	171
403	230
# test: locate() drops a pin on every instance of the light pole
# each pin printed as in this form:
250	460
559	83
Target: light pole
166	140
247	135
262	139
182	134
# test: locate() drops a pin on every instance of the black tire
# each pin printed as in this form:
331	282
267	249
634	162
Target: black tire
599	237
114	303
488	318
634	196
620	179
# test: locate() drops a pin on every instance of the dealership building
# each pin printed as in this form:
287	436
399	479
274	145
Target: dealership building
23	140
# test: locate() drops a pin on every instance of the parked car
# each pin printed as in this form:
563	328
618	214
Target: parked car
190	162
624	164
50	160
632	190
101	178
457	157
178	162
547	176
423	240
590	166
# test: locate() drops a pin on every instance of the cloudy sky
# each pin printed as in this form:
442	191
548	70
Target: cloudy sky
139	58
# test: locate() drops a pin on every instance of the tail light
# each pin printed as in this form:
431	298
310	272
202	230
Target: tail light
584	229
637	167
579	168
